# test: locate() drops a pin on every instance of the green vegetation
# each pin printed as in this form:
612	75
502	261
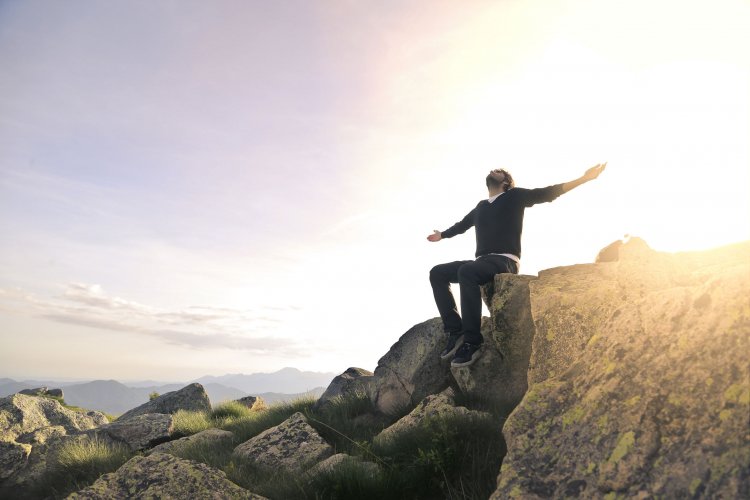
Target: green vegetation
444	457
153	396
79	463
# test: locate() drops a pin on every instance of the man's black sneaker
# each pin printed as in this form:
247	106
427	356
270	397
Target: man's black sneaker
454	342
466	355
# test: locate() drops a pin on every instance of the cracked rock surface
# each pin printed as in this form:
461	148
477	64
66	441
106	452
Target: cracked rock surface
411	370
293	445
164	476
639	383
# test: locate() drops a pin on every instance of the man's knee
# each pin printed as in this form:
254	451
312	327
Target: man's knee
436	274
467	274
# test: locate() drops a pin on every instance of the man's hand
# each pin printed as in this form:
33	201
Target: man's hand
594	171
436	236
590	175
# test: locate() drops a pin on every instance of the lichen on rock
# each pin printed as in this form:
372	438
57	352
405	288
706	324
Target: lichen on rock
292	446
638	380
164	476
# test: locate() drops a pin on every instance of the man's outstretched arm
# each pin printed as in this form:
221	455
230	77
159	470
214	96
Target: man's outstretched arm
590	175
459	227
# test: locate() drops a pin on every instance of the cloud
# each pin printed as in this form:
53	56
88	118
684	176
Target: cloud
199	327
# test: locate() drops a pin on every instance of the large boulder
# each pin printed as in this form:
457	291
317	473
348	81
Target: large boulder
639	383
136	434
351	382
139	432
20	414
164	476
433	406
499	375
190	398
27	422
292	445
411	370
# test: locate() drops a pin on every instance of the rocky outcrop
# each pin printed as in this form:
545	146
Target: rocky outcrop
135	434
208	438
411	370
252	403
164	476
20	414
639	383
437	405
352	381
190	398
499	375
27	422
292	446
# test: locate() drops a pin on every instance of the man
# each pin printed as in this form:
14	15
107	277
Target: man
498	222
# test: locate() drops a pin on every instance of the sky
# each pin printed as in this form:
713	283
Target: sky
194	188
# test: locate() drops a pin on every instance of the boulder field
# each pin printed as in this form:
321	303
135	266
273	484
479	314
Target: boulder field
626	378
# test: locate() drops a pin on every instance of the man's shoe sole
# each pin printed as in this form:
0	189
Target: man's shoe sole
470	362
452	352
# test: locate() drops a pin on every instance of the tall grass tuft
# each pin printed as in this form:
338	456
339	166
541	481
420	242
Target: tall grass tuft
447	456
230	409
79	463
187	423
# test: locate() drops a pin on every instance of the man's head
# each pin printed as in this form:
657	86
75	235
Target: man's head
500	180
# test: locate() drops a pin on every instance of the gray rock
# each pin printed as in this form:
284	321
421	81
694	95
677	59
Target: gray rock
436	405
20	414
139	432
13	458
253	403
164	476
638	380
209	437
57	393
499	375
411	370
292	445
352	381
38	391
190	398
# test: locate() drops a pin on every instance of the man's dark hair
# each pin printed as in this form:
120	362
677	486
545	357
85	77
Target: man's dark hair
507	184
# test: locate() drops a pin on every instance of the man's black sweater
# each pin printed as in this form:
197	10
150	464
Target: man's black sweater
498	225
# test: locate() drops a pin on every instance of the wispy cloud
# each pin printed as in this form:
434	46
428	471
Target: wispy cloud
200	327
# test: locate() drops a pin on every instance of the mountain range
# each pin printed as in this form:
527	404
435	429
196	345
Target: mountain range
116	397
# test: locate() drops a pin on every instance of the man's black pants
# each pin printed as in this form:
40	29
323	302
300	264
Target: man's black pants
470	275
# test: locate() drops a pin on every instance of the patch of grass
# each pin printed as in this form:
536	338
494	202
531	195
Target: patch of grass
443	457
352	481
337	423
446	457
254	423
187	423
217	454
79	463
230	409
